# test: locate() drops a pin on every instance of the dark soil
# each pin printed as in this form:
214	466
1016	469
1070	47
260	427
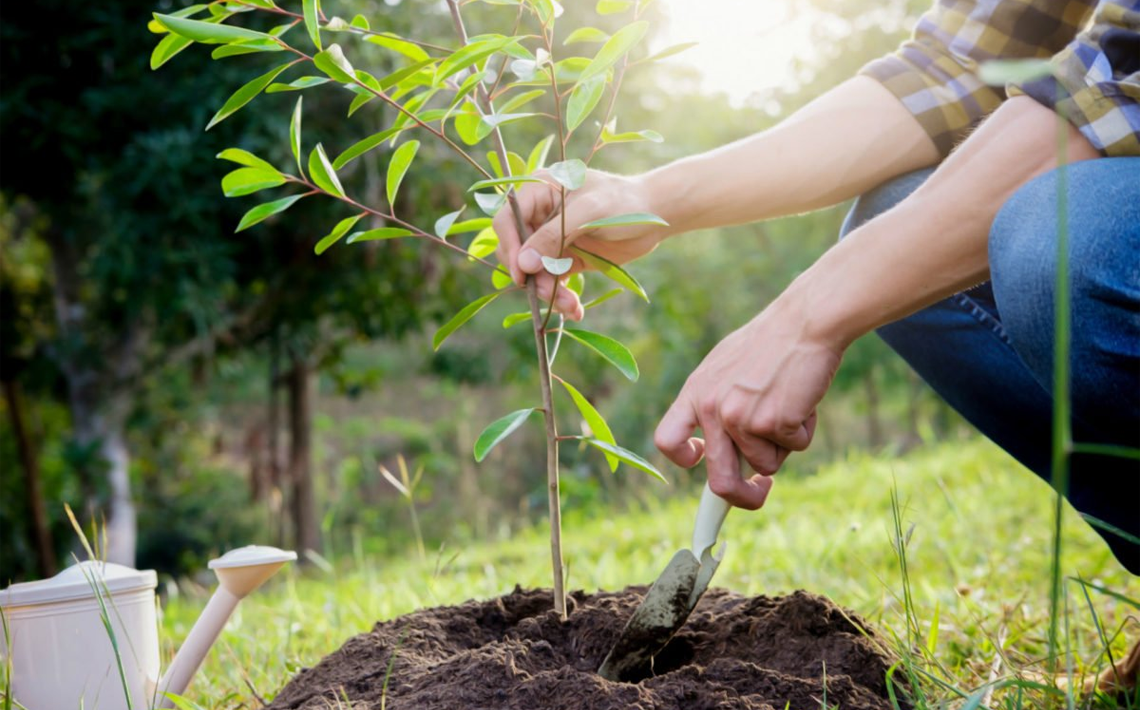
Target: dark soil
514	653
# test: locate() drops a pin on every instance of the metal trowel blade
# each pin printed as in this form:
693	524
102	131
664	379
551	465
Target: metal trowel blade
663	611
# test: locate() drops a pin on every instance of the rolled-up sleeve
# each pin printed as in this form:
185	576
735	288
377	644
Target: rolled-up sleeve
935	73
1096	81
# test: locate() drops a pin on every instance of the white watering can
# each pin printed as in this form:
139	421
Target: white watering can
61	653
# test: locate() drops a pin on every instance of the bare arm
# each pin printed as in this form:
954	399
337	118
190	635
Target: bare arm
849	139
757	391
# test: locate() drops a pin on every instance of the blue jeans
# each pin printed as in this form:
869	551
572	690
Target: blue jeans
988	351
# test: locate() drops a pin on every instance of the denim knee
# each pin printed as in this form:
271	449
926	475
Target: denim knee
880	199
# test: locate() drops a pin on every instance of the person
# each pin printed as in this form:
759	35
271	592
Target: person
950	250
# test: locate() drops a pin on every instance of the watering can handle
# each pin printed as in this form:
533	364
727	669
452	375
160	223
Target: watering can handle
710	516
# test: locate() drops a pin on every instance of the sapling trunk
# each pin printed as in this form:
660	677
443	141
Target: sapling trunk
538	322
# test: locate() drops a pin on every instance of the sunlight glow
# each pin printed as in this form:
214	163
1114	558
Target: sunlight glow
746	46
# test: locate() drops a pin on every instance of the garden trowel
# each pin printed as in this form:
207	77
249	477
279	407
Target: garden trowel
671	599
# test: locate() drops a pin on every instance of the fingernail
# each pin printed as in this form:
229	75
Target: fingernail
530	261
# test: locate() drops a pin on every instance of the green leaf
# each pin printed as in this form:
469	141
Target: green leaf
322	173
206	32
501	278
498	430
571	174
401	75
443	224
496	182
360	22
520	100
158	29
244	157
537	158
625	455
576	282
490	123
295	135
596	422
470	54
469	225
304	82
515	318
398	44
626	220
401	160
245	181
338	231
614	49
467	313
613	351
490	202
630	136
251	46
602	299
670	51
244	95
583	99
557	267
332	62
586	34
612	7
484	243
361	147
612	271
312	9
264	211
358	101
379	233
166	48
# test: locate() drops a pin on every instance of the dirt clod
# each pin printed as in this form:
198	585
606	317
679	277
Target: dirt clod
513	653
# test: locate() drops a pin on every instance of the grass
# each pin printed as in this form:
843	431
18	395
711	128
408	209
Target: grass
973	529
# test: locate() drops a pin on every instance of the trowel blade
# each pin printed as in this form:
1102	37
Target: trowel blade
709	563
663	611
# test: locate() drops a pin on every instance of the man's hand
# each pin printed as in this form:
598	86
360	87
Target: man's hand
603	195
756	394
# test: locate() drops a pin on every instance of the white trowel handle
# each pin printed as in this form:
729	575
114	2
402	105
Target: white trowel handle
710	516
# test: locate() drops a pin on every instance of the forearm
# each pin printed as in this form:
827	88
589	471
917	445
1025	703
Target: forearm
850	139
934	243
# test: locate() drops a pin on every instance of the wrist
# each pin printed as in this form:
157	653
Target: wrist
816	301
667	194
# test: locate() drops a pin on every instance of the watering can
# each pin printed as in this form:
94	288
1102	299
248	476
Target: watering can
66	638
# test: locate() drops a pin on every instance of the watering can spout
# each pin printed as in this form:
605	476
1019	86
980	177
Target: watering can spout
239	572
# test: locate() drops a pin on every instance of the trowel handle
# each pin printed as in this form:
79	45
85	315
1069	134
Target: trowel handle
710	516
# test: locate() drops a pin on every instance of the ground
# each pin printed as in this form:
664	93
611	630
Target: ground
978	563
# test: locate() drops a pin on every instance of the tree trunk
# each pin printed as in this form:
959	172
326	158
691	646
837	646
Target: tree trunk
38	527
874	423
302	383
122	522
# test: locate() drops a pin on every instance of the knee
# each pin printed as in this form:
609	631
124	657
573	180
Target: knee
880	199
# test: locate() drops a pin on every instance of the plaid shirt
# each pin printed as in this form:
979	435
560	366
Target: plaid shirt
1096	81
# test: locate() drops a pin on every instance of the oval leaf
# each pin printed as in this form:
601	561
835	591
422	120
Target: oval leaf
497	182
361	147
617	354
397	44
443	224
626	220
498	430
583	99
322	173
461	317
625	455
614	49
244	95
586	34
597	423
333	63
312	10
167	47
338	231
379	233
401	160
244	157
206	32
571	174
557	266
246	181
262	212
304	82
515	319
611	271
295	135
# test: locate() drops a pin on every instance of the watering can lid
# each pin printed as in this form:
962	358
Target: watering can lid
251	556
77	582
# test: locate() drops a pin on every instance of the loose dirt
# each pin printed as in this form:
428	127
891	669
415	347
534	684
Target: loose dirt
513	653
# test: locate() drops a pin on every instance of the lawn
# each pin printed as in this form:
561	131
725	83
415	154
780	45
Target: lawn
978	556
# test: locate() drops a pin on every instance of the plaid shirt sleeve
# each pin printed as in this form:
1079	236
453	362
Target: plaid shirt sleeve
1096	80
934	74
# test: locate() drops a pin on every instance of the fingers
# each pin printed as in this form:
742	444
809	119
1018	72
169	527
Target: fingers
723	465
566	301
536	206
674	435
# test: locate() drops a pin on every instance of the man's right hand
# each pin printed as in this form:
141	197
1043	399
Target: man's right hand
602	195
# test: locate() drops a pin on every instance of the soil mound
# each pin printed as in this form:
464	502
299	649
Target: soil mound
513	653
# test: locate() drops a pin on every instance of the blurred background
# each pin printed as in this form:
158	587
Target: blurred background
192	389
